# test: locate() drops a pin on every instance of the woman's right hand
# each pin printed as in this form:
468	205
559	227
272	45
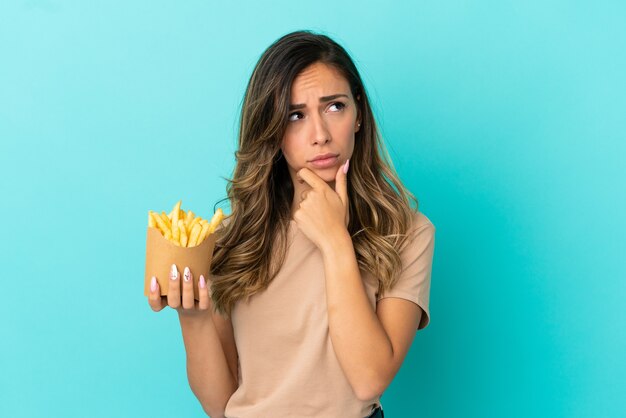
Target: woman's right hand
187	306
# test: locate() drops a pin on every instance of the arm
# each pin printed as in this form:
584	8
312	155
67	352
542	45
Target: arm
209	375
370	346
370	350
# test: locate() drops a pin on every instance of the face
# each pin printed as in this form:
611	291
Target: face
319	124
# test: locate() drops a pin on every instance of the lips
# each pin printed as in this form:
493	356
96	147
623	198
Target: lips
330	161
324	156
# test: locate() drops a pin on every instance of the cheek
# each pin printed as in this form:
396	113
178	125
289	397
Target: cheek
346	134
345	126
290	149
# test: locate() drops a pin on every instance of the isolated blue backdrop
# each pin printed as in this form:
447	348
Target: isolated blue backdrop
506	119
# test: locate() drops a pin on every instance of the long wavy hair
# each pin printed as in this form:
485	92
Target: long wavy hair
252	241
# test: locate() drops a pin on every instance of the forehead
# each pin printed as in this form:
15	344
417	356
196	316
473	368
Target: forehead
319	78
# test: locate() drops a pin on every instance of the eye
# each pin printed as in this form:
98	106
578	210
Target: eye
292	114
339	104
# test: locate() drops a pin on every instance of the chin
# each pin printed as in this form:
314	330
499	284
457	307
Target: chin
326	174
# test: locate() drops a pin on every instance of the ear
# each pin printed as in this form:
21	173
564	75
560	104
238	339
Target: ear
358	122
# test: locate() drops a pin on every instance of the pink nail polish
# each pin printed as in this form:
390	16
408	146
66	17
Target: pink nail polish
202	282
153	284
345	166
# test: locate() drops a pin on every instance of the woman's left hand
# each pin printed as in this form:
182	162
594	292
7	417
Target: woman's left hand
323	213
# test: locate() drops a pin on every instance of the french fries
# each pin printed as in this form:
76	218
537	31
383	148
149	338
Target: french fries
184	229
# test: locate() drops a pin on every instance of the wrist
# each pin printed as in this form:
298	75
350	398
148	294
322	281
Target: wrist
194	318
336	243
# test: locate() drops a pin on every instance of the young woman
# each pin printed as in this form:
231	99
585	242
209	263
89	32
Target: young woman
321	273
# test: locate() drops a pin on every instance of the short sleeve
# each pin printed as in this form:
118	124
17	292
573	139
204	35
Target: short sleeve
417	258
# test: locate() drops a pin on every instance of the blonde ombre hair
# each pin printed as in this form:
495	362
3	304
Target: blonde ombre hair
261	190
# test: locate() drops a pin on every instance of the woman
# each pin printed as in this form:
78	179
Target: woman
321	274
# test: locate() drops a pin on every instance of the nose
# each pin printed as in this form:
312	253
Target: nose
321	135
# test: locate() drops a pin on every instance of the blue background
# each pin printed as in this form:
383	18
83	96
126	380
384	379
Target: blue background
506	119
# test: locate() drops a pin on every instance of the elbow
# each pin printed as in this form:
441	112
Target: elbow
367	393
215	410
212	412
211	408
368	389
215	415
213	404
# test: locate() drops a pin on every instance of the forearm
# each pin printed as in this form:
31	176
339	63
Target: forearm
359	339
208	373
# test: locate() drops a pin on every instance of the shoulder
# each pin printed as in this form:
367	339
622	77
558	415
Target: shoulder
421	219
421	224
223	224
226	220
419	236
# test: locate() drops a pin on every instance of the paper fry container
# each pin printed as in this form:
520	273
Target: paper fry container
161	254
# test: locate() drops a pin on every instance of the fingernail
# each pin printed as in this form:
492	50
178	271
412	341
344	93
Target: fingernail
153	284
202	282
173	272
345	166
187	274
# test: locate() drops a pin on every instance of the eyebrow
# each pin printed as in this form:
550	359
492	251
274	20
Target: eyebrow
322	100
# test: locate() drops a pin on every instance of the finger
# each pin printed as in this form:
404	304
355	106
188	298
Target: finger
187	289
154	298
173	293
203	290
312	179
341	183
